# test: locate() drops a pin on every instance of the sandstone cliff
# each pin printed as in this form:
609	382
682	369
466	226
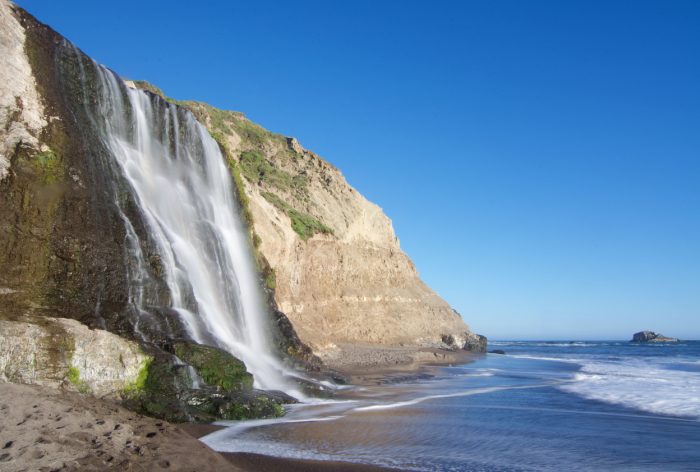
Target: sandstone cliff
339	273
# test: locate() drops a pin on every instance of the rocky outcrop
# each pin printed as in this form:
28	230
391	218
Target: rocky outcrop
183	381
651	337
187	381
62	353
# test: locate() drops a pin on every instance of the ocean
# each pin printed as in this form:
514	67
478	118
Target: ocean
544	406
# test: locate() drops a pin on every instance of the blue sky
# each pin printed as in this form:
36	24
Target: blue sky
540	160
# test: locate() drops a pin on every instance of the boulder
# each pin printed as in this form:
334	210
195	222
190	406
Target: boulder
190	382
475	342
63	353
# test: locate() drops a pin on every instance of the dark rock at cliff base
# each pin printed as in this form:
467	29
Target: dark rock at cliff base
651	337
497	351
190	382
475	343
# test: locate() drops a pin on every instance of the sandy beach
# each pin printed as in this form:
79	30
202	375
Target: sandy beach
44	429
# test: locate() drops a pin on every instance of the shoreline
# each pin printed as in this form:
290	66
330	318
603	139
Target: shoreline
45	427
421	362
368	359
252	462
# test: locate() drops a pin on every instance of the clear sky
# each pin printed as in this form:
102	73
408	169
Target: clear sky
540	159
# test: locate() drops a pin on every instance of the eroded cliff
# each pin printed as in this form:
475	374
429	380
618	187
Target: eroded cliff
331	257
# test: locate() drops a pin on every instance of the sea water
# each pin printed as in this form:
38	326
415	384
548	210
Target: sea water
544	406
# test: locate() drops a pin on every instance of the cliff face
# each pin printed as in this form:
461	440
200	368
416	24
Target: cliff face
66	316
339	273
329	258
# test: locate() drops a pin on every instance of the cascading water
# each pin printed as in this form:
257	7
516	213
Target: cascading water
185	194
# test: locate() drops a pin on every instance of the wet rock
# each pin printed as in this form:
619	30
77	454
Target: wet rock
215	366
497	351
225	392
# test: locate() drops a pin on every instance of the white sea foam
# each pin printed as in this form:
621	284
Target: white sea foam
547	343
546	358
643	384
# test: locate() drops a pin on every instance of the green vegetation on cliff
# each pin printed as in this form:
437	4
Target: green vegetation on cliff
49	165
261	155
304	224
258	170
149	87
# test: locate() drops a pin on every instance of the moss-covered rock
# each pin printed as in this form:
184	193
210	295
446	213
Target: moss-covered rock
250	405
221	387
215	366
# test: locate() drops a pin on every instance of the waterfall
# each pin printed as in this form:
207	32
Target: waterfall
184	192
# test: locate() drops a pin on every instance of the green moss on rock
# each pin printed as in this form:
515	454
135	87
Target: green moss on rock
215	366
259	407
164	388
139	384
73	376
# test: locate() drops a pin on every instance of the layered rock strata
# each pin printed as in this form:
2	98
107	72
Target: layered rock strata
334	264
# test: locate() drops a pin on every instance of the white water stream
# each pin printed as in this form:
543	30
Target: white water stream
185	193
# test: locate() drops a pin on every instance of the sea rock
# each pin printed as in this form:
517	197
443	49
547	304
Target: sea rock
497	351
651	337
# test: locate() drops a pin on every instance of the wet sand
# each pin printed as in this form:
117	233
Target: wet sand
261	463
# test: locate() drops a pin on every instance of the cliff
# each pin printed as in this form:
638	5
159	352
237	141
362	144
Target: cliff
334	263
329	259
67	313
